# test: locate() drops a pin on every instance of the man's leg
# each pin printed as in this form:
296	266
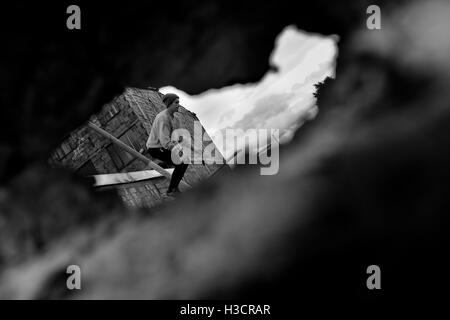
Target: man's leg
177	175
166	156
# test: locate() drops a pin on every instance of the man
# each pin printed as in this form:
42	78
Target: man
159	143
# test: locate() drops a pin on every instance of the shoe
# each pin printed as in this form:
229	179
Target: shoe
173	193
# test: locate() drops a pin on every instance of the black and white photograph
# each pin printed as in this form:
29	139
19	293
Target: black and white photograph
226	159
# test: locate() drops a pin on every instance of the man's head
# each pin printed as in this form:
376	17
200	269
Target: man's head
171	101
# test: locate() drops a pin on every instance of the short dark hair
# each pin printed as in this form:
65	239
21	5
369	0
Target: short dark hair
169	98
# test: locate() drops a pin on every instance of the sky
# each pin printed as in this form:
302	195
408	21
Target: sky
279	99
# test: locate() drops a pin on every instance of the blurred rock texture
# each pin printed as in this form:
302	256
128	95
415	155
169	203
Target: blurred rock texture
365	183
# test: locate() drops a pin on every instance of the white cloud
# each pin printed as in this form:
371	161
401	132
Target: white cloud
279	98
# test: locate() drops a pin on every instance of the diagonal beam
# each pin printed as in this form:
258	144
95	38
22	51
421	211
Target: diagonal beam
130	150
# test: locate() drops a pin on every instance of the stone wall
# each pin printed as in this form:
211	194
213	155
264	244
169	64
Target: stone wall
90	153
141	194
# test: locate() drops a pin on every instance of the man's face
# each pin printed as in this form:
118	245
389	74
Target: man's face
174	106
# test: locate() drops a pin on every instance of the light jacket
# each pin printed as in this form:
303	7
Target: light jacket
160	135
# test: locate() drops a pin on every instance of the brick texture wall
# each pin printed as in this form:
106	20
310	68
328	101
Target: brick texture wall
84	148
142	194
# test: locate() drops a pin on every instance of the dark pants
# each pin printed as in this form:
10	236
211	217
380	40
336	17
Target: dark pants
165	155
